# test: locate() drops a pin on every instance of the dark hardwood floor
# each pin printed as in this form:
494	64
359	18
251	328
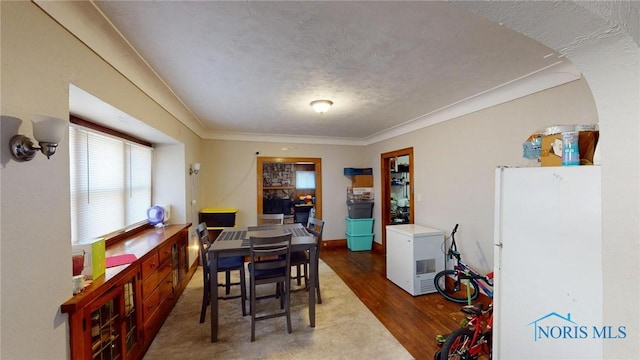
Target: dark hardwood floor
414	321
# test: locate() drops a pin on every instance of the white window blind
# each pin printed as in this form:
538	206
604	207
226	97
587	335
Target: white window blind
305	179
110	183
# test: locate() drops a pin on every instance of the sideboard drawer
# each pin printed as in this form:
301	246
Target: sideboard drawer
164	269
150	305
150	266
164	253
166	286
149	284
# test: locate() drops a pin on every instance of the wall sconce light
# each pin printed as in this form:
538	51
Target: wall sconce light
194	169
48	132
321	106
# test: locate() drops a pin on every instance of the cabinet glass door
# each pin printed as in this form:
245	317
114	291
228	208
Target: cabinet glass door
130	316
104	320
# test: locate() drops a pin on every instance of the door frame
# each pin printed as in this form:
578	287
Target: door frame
385	181
317	162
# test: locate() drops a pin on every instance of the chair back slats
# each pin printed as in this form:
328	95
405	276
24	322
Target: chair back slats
315	226
260	253
270	262
270	253
226	264
270	219
203	236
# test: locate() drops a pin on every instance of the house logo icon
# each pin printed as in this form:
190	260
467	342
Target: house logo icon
554	326
551	325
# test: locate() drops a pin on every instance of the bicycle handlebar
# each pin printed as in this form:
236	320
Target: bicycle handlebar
453	249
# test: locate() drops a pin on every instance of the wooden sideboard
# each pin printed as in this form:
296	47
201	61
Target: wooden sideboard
119	314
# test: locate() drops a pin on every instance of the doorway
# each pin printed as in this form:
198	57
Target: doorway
396	168
291	186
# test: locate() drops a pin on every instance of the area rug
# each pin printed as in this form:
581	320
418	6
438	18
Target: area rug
345	328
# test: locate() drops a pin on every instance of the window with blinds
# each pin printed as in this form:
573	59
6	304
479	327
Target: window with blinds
305	179
110	183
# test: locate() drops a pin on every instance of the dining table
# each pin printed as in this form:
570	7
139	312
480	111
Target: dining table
234	241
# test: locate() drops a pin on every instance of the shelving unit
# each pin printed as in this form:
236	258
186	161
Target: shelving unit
400	213
278	191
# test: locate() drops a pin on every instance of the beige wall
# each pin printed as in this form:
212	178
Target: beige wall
229	177
39	61
602	41
455	162
454	167
454	172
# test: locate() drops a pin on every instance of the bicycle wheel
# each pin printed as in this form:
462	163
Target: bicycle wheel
457	346
445	283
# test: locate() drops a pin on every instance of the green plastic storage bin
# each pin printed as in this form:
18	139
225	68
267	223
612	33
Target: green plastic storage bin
359	226
359	242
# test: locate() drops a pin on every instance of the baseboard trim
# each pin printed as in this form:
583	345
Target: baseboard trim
334	243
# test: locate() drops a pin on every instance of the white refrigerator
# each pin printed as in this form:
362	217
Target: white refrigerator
548	267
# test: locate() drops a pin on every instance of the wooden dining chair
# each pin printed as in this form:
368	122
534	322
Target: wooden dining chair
270	264
266	219
226	265
301	259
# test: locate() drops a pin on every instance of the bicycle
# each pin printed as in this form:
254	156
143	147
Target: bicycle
472	341
449	283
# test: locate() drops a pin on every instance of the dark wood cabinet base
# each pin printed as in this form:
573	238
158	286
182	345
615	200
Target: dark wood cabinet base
119	314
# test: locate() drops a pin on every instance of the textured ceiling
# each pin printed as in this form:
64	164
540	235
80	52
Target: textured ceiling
254	67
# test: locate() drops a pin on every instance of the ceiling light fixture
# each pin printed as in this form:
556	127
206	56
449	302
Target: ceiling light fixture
321	106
